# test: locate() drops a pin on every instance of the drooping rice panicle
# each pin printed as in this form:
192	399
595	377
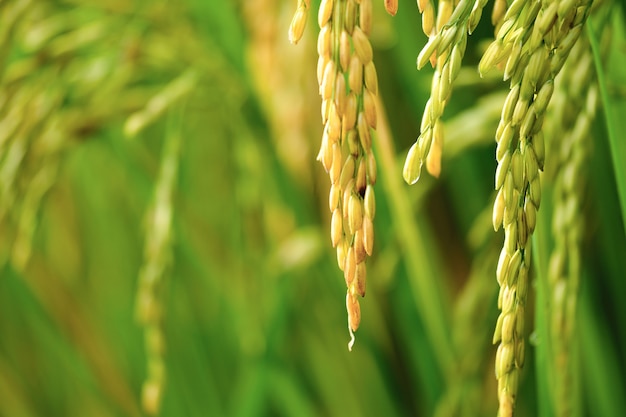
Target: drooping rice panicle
348	84
576	101
445	50
533	42
157	258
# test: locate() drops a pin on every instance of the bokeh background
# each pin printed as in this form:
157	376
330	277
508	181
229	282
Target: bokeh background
164	230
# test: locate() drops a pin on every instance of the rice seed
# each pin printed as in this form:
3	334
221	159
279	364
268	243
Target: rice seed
359	247
391	6
350	114
345	202
352	138
368	235
324	44
362	46
475	16
530	211
336	227
519	112
510	236
444	11
566	7
534	73
428	19
333	123
540	149
354	311
325	155
494	54
365	16
498	210
350	16
360	279
412	165
433	160
510	103
522	290
350	266
505	357
497	334
445	85
371	168
503	267
531	166
333	197
422	4
513	61
535	192
428	51
498	12
364	132
448	35
508	297
425	142
371	78
344	50
456	58
298	23
325	11
547	18
503	170
517	168
511	196
335	169
355	75
505	142
342	250
355	213
427	117
369	108
361	177
321	66
347	172
328	80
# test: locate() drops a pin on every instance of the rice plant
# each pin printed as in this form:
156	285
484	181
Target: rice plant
189	194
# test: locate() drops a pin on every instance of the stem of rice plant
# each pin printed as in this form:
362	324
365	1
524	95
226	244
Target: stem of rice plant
613	124
427	291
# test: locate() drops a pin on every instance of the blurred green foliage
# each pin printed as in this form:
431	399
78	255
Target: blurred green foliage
250	302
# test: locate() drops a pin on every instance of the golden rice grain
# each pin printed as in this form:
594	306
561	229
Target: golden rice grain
391	6
298	23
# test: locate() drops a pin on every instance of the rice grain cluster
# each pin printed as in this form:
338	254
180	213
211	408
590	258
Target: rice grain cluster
348	84
532	44
576	100
533	40
445	50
